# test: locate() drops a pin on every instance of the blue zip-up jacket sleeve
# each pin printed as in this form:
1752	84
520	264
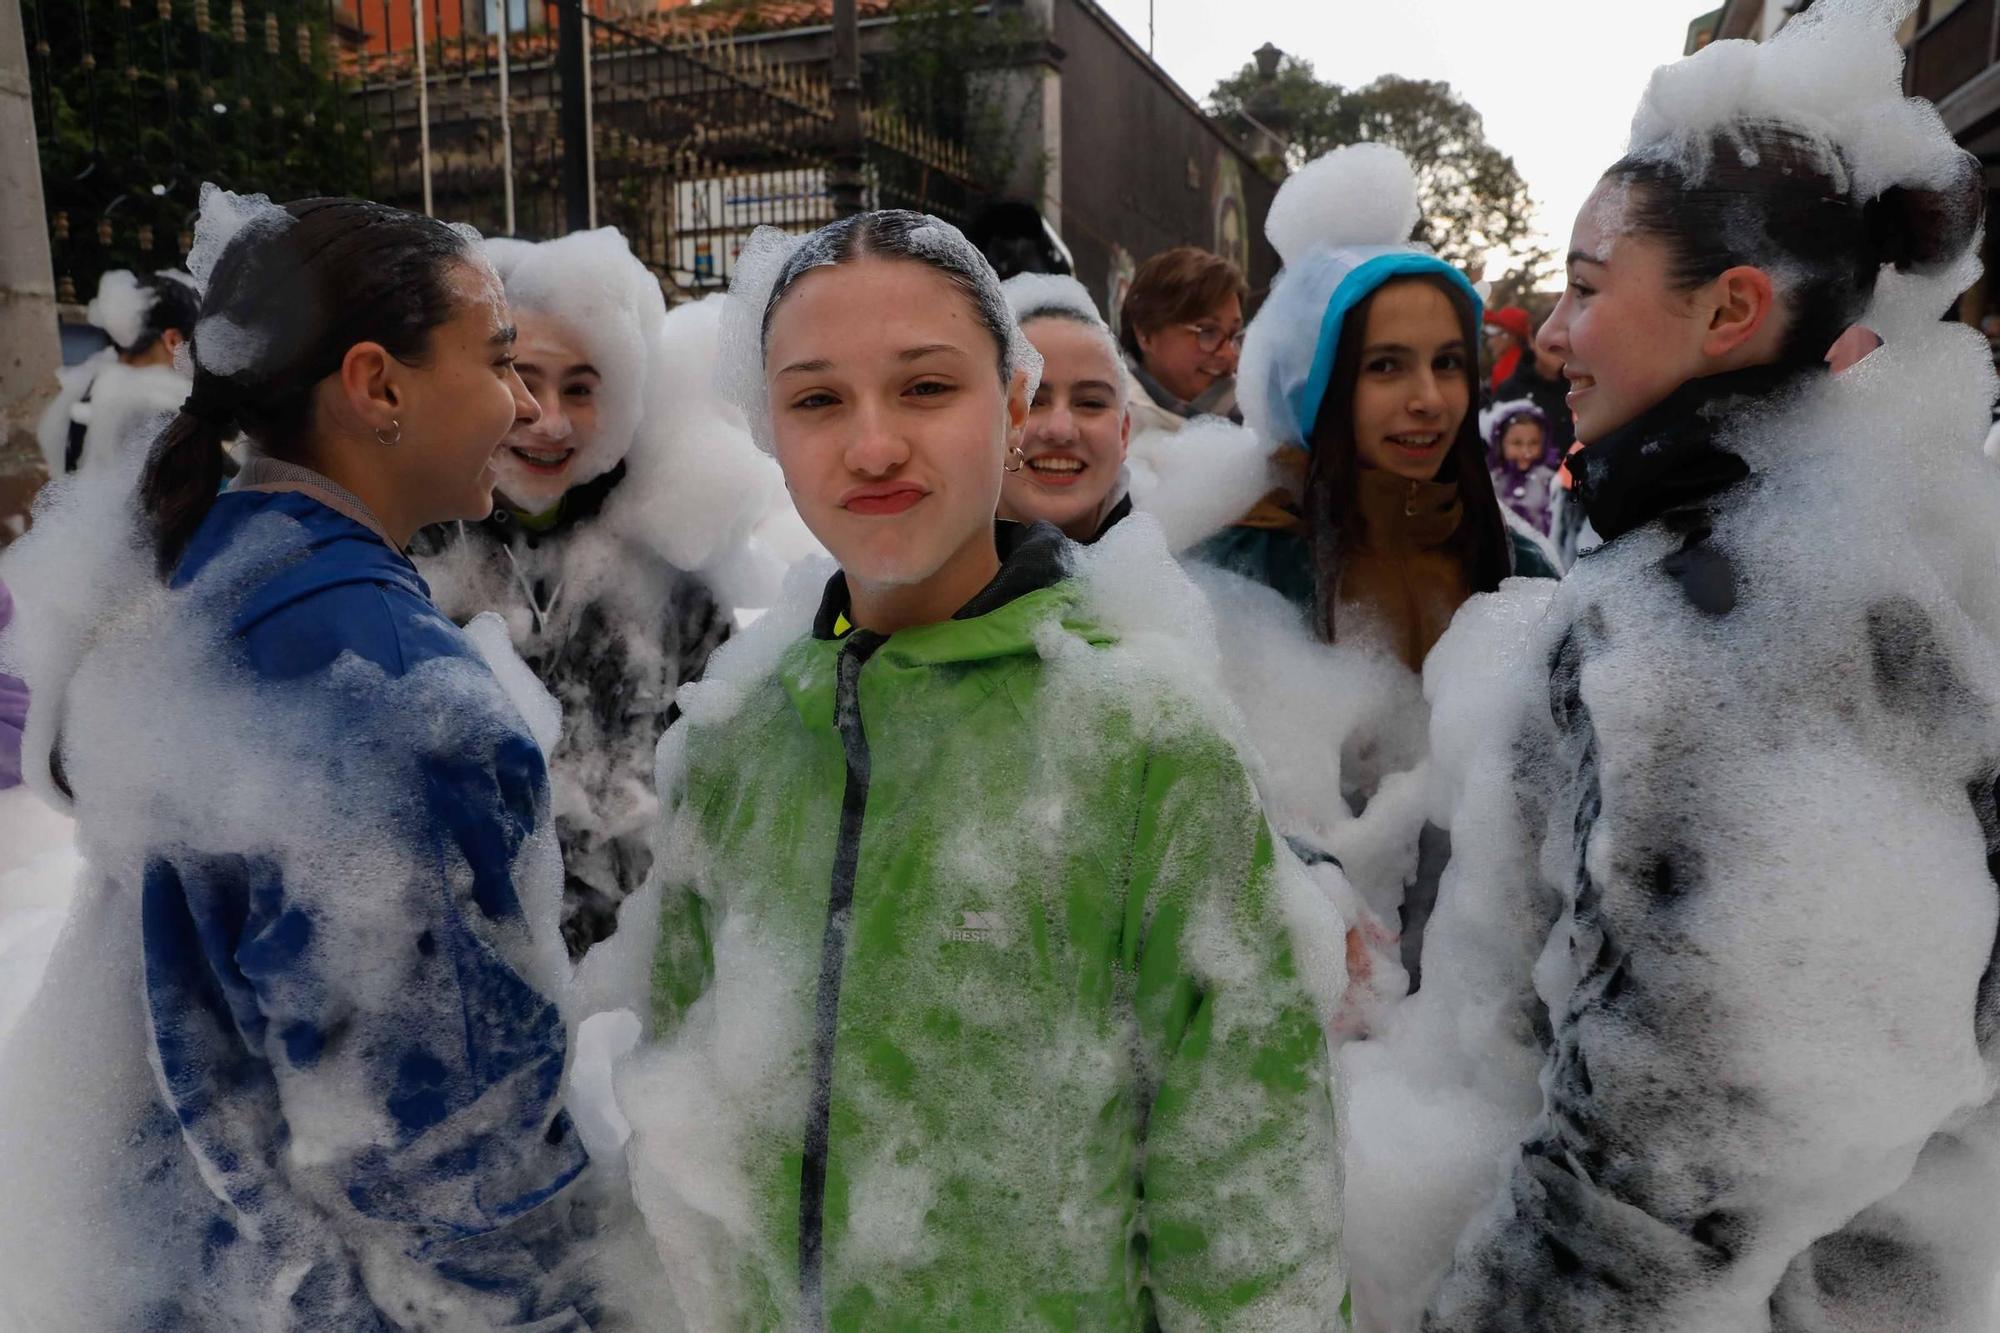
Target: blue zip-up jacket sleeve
364	1071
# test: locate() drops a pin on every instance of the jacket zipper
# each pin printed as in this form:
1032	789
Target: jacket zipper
860	646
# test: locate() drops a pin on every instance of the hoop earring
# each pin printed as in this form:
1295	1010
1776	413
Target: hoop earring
393	440
1020	458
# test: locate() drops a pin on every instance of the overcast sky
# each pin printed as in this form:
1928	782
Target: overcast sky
1556	80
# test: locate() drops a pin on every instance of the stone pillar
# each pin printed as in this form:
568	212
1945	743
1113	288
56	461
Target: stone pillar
1029	94
30	346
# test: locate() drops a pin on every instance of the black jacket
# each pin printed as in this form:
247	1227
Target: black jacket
612	631
1767	772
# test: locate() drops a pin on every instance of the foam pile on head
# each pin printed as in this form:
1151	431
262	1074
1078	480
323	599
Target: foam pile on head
1034	296
1042	295
772	260
223	344
269	304
127	306
1831	83
1342	226
591	284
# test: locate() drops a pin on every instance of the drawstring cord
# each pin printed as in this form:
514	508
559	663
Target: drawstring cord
541	612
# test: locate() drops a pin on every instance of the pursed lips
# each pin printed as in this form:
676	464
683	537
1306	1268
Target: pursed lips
881	501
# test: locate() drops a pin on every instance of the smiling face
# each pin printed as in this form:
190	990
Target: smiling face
456	406
1625	336
1176	356
1414	384
891	425
1522	445
537	463
1078	429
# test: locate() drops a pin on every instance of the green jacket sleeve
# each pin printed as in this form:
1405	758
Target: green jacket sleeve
1240	1167
684	958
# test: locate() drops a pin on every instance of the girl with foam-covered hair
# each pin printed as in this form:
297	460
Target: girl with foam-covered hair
1722	952
1080	424
982	996
621	519
296	1060
102	405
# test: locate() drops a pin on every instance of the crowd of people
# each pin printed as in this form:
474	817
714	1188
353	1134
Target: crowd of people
888	799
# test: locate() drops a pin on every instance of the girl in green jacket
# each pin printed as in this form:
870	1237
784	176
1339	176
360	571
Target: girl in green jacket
981	997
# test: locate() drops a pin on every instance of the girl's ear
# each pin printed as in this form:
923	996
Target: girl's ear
1017	408
1740	305
366	389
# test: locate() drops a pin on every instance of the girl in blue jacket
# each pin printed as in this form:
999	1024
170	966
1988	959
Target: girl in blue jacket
297	1062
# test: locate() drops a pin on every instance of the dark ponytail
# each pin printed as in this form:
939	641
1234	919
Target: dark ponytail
291	293
184	473
1775	198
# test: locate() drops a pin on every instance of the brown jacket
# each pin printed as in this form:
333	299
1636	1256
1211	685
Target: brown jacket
1402	580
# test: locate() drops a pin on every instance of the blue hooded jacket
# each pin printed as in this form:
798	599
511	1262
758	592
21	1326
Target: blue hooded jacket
465	1182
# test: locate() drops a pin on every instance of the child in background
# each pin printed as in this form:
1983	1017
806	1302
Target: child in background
1521	456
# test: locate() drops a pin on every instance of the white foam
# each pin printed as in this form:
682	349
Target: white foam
167	740
1364	194
121	306
1833	73
724	1081
1800	1028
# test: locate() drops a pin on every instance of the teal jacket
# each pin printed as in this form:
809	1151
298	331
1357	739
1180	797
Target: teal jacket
1281	560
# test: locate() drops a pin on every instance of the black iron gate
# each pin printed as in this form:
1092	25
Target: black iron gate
696	139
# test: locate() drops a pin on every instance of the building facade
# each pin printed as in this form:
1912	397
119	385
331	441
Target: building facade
1141	166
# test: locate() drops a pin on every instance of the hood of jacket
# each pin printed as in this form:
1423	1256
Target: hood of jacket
999	622
1674	454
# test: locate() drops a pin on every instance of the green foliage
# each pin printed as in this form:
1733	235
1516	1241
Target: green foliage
1474	199
934	74
1296	102
127	127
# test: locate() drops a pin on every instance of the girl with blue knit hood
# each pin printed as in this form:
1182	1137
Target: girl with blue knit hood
1360	373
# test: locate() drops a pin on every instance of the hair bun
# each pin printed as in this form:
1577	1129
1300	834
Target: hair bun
1922	229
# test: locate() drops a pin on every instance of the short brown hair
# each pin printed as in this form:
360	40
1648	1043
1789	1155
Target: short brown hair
1177	286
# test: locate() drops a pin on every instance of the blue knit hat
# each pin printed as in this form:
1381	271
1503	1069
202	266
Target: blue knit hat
1341	226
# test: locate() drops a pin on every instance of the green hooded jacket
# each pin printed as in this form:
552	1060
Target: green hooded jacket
1042	1056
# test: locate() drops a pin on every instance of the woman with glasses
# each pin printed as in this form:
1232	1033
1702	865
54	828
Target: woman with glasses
1181	327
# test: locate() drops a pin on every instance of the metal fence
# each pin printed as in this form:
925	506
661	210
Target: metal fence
684	140
694	141
137	102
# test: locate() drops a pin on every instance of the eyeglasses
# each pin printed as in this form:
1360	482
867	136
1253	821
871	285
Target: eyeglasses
1210	338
